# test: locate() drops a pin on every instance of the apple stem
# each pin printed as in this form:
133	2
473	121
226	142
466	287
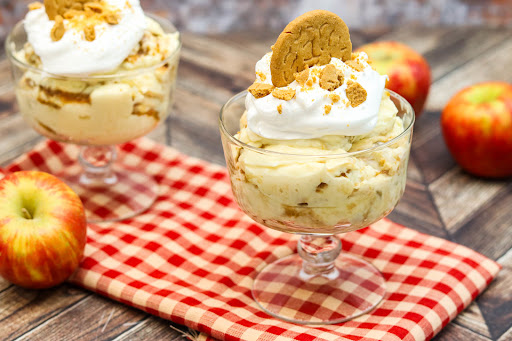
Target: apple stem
26	213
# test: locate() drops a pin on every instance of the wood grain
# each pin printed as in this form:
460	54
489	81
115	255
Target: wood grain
458	195
496	302
454	332
472	319
488	66
22	309
417	209
93	318
153	328
492	223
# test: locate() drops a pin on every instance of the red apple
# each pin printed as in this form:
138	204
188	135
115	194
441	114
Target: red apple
477	128
408	71
42	229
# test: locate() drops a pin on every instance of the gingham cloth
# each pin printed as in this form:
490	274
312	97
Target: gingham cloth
191	258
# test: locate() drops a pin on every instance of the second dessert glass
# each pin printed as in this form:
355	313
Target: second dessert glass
317	197
98	112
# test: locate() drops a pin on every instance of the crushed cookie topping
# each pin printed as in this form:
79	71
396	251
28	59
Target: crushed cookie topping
302	77
260	90
334	98
356	65
262	76
280	109
82	15
58	29
284	94
330	78
356	94
327	109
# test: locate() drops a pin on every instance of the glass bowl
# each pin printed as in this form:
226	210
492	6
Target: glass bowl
97	112
317	197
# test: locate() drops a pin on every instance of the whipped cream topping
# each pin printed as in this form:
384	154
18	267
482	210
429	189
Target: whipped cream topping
306	116
73	54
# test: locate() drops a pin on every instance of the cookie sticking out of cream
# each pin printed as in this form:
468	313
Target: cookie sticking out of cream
84	37
329	90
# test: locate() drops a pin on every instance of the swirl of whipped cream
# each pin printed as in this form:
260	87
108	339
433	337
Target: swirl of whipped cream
305	116
73	54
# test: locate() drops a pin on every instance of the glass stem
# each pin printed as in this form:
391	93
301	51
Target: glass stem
318	254
97	163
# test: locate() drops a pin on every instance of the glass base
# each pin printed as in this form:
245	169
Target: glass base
354	287
124	194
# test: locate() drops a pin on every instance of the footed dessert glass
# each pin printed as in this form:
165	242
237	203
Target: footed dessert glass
98	112
317	197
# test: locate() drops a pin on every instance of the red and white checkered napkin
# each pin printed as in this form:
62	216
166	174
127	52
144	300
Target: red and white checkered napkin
191	258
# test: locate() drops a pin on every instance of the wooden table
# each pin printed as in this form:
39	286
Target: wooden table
440	199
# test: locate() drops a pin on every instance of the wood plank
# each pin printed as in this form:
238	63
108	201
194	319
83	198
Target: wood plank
154	328
4	284
429	149
92	318
23	309
8	104
219	56
458	196
496	303
430	39
491	65
492	223
507	336
210	85
454	332
472	43
447	48
194	127
414	172
416	210
471	318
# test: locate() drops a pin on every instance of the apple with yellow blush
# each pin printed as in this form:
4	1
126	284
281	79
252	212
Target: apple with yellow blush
42	229
477	128
409	73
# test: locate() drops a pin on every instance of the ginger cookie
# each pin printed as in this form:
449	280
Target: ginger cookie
310	39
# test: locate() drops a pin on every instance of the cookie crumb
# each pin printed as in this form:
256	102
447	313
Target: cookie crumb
302	77
354	64
280	109
284	94
34	5
111	18
90	33
309	83
262	76
93	7
327	109
58	29
334	98
71	13
259	90
356	94
330	78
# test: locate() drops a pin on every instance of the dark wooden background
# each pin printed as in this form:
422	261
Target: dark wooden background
440	198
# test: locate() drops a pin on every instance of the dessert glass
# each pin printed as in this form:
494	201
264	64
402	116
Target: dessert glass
317	285
98	112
